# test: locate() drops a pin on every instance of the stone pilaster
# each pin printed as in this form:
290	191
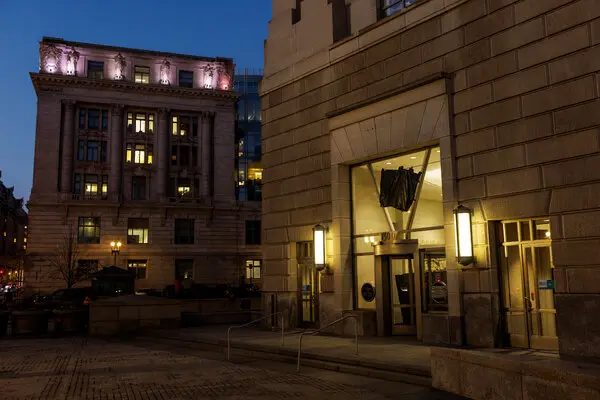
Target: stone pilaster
116	151
207	186
162	153
68	124
199	149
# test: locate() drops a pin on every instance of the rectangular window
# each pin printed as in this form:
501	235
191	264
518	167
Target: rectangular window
194	127
184	156
92	151
140	123
87	267
81	150
186	79
140	267
184	269
137	230
435	277
389	7
184	126
95	69
252	232
93	119
175	126
138	154
88	230
150	123
184	188
82	118
142	74
138	188
91	186
104	120
103	152
253	269
173	155
184	231
77	184
129	122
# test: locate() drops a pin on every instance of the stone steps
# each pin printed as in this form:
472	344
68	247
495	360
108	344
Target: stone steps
241	351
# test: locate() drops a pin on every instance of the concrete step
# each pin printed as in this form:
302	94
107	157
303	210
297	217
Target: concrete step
243	351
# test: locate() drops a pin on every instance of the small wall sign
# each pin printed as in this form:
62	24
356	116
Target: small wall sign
368	292
546	285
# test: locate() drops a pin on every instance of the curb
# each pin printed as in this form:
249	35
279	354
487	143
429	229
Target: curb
373	369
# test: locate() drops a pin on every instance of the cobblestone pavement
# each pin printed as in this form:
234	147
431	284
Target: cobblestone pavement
78	368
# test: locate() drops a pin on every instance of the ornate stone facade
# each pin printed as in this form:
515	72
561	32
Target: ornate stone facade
137	165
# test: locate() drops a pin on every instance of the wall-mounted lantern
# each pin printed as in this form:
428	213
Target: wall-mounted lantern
463	235
319	244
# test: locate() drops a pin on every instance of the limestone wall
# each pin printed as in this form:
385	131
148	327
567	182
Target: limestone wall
524	115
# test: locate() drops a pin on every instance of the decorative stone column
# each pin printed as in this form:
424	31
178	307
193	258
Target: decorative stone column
206	151
162	153
67	146
116	152
199	149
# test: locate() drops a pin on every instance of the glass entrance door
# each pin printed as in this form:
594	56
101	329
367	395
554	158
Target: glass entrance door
309	292
403	307
528	285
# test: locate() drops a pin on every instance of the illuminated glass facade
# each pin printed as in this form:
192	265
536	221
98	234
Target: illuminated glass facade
249	167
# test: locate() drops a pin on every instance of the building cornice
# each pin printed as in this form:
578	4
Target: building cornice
53	83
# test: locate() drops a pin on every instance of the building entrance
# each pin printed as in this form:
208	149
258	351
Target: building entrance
308	287
403	296
527	275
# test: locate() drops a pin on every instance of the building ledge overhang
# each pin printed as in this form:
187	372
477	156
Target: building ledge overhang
43	82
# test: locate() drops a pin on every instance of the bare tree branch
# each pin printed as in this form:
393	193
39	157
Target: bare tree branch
64	263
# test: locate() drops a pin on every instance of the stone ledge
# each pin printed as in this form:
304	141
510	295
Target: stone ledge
533	376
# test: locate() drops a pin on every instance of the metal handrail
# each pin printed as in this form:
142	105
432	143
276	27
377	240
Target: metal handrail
250	323
316	332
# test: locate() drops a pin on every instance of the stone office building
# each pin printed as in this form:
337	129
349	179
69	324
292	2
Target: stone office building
137	147
496	103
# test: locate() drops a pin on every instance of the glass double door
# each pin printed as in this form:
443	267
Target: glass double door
403	293
528	294
308	296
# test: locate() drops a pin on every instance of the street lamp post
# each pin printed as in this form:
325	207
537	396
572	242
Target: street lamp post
115	248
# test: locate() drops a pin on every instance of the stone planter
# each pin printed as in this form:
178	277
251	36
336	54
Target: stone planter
69	321
31	322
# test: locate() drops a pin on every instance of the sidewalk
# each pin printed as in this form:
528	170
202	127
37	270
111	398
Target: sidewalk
390	354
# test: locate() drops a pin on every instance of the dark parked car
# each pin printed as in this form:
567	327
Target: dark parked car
69	298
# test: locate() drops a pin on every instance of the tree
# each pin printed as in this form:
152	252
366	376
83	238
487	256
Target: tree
64	264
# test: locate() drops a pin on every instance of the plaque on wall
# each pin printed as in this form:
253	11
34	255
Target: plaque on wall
368	292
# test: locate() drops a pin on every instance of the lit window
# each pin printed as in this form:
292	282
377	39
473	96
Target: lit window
140	123
183	190
89	230
140	268
175	126
253	269
130	122
150	123
137	230
138	154
142	74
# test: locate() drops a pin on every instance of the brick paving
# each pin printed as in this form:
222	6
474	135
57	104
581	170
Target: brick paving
78	368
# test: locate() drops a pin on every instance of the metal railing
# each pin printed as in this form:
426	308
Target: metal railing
316	332
250	323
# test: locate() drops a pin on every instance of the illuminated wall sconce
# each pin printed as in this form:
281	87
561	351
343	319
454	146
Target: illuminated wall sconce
319	245
463	235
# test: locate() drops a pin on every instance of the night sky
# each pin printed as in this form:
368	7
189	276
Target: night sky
233	28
